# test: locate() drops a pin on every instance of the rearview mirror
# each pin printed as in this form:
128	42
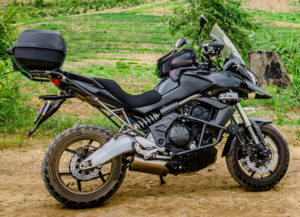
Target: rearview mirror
203	21
180	42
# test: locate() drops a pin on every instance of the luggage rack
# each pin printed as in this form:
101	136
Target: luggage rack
39	75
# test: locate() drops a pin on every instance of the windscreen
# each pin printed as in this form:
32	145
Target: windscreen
229	48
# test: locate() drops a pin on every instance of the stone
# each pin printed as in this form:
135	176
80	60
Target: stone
269	68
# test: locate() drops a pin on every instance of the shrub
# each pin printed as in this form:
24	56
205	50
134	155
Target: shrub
38	3
7	18
12	111
229	15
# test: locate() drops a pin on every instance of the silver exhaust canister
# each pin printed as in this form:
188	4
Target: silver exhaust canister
157	167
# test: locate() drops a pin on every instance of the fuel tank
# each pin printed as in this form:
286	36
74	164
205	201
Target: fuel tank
188	84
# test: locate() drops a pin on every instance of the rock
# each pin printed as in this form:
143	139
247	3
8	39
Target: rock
269	68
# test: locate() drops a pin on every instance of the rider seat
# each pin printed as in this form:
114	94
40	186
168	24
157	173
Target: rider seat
131	101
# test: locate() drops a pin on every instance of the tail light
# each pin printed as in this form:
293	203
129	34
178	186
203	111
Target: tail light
56	82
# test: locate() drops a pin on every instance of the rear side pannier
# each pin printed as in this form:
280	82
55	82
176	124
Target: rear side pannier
38	50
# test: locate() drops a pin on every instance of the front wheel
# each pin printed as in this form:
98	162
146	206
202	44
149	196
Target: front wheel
63	177
259	170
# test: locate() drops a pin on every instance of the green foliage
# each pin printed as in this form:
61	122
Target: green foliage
38	3
284	40
12	111
122	65
229	15
7	18
29	9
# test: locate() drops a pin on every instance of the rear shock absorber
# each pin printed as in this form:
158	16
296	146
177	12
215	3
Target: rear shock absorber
146	121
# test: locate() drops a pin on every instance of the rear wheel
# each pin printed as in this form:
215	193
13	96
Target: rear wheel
72	186
259	170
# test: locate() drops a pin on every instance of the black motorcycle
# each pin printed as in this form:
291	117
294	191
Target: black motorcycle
172	129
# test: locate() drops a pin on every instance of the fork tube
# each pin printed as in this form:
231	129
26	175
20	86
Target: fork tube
247	123
235	120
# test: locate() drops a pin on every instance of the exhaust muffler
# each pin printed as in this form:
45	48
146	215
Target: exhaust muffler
157	167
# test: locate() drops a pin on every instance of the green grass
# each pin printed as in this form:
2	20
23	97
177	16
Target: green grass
16	141
105	33
284	40
45	9
123	37
267	17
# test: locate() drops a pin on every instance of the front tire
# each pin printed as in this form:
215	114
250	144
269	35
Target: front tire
64	179
259	178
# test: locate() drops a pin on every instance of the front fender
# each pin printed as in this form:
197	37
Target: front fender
234	133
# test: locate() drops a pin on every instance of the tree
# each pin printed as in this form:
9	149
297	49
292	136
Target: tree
229	15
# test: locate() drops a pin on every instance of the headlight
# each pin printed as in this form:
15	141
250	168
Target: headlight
253	77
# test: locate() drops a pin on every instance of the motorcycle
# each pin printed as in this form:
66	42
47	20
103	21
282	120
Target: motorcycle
172	129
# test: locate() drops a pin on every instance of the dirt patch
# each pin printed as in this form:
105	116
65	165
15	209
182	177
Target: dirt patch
270	5
211	192
159	11
148	59
280	23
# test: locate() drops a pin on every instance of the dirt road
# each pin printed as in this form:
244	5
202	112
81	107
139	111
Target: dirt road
211	192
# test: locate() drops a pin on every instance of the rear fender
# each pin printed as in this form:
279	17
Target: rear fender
236	130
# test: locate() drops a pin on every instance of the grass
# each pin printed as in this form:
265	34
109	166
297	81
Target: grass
45	9
284	40
111	46
106	33
8	142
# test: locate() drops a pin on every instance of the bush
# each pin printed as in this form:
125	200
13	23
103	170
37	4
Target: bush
38	3
7	18
229	15
12	111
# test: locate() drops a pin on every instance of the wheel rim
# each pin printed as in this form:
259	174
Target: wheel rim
249	166
76	181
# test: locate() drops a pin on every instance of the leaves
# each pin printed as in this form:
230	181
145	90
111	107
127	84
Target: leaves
229	15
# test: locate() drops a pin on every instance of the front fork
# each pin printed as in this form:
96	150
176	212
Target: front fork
246	122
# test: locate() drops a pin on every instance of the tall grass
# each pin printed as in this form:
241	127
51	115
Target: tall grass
7	18
12	111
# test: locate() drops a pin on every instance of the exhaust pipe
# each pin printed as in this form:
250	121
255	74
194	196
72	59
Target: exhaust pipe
157	167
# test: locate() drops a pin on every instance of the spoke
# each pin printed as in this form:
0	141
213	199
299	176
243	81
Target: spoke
101	176
90	142
79	185
252	174
106	174
65	174
71	151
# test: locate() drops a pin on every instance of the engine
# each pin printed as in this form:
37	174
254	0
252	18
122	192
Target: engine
183	135
177	134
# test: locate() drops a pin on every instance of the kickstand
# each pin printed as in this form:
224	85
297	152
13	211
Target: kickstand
162	181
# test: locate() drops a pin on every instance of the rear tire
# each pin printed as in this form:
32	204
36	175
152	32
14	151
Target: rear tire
71	194
264	183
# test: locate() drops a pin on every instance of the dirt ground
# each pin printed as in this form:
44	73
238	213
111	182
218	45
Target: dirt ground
210	192
270	5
